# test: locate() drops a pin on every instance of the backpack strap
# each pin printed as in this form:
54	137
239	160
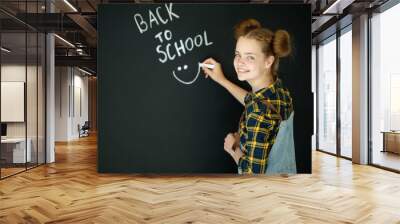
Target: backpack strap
273	108
268	105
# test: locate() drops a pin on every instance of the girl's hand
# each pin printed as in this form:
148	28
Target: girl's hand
216	74
231	146
237	139
229	143
237	155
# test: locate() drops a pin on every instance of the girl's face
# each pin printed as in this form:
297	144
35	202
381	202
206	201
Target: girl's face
250	62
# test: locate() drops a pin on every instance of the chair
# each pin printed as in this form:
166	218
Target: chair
84	130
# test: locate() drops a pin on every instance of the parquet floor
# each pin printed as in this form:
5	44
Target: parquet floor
71	191
10	171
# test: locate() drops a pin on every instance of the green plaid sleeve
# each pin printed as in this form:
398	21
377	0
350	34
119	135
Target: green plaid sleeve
257	146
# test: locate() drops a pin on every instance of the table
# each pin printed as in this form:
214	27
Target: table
15	148
391	141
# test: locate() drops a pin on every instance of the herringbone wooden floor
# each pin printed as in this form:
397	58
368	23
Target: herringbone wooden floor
71	191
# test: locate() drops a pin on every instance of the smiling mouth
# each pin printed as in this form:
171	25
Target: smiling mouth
187	82
242	70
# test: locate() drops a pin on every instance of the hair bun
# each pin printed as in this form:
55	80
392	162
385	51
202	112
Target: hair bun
245	26
281	44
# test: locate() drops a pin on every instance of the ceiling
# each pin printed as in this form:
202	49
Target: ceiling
76	22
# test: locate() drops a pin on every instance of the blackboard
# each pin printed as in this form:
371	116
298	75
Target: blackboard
154	115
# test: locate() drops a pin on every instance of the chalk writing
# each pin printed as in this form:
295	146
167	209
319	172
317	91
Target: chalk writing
144	25
169	48
180	47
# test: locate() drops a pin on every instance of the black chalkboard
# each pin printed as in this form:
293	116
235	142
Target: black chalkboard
149	121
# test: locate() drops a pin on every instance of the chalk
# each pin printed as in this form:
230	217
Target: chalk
210	66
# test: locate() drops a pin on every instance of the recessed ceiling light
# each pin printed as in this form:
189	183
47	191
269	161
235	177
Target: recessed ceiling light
70	5
337	6
64	40
84	71
5	50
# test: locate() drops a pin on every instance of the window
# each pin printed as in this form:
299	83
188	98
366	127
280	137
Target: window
385	88
346	93
327	96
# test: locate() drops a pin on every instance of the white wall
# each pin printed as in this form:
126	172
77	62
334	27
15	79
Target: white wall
33	127
71	102
50	94
62	80
314	91
12	73
80	103
16	73
12	101
360	90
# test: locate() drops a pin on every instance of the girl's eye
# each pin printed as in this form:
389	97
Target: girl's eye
250	58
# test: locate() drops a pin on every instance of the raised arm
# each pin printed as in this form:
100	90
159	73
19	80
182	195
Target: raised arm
218	76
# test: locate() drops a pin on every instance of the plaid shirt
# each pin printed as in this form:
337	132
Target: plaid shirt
259	125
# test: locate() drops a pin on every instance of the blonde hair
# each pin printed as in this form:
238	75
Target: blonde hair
275	44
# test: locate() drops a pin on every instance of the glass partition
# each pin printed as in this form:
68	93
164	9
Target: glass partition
32	95
22	77
346	93
327	95
14	153
41	87
385	89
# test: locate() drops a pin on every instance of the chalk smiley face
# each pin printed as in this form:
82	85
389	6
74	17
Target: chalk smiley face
181	69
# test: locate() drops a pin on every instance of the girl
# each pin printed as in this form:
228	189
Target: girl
256	61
